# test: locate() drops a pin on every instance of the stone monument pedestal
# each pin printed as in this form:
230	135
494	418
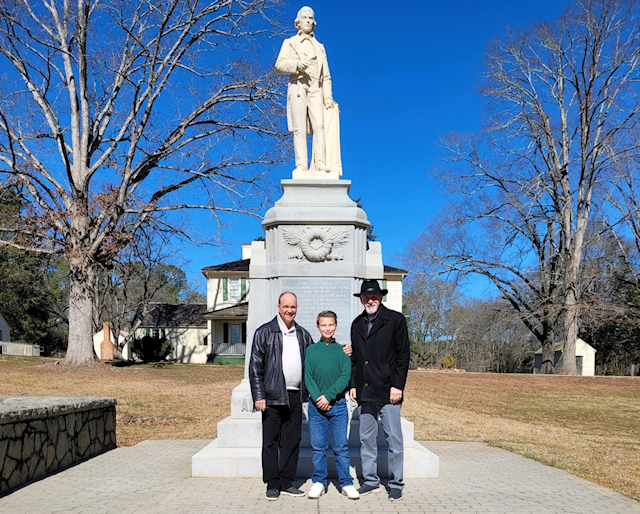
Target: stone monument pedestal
316	247
237	450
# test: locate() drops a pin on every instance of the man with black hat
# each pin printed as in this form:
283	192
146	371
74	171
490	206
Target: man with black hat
379	367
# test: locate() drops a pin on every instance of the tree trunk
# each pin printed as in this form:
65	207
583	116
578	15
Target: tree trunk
82	278
568	362
548	367
547	339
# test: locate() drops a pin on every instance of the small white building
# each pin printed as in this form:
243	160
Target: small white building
183	325
585	358
12	348
5	333
123	343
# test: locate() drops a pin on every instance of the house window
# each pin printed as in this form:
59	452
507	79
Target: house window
234	289
235	336
233	333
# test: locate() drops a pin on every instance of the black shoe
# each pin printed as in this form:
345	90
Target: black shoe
273	494
395	494
366	489
292	491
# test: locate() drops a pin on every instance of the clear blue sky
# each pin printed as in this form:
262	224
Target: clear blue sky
404	74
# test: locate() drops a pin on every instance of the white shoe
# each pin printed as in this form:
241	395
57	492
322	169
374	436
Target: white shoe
350	492
317	490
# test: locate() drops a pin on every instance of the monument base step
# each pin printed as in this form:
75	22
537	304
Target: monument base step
216	462
418	463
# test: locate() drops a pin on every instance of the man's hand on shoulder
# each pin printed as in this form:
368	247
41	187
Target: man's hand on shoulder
395	395
347	349
261	405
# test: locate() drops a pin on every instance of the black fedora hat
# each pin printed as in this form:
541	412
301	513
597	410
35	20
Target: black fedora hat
371	287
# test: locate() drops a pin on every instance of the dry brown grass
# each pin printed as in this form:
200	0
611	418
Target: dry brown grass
587	426
173	401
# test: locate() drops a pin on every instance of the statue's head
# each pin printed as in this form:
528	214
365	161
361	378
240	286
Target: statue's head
305	20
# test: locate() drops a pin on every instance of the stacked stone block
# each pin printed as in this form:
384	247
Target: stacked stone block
42	435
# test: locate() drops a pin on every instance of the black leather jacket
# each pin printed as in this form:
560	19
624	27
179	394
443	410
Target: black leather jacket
265	367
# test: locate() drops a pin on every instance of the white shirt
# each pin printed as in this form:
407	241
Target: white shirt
291	359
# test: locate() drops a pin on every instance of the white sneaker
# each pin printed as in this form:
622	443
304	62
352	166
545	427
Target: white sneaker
350	492
317	490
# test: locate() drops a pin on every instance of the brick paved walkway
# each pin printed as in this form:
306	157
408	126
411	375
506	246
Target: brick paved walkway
154	477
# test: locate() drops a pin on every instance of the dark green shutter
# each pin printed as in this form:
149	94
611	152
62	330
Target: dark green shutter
225	290
384	286
243	289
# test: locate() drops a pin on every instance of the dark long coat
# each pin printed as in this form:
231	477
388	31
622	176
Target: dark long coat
380	360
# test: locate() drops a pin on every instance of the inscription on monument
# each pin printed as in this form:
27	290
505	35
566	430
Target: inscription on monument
321	294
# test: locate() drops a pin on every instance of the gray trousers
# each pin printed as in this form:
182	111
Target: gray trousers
390	416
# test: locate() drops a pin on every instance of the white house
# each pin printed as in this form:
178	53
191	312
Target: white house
217	331
585	358
229	294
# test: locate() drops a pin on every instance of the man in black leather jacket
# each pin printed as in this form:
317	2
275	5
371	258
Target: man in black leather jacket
277	388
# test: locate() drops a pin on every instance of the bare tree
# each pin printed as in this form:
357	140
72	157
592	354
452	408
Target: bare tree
479	335
115	114
144	272
562	114
487	336
505	234
428	300
611	318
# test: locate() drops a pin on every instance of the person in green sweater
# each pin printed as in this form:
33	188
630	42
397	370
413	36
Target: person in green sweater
327	373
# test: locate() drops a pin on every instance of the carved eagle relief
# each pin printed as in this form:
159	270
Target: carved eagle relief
316	244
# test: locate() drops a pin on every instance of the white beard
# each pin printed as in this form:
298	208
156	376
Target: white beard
371	309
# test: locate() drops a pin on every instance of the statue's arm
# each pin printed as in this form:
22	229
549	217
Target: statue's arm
287	62
326	80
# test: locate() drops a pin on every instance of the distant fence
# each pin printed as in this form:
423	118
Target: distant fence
230	349
28	350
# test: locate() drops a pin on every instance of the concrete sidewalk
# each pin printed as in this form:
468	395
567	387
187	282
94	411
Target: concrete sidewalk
154	477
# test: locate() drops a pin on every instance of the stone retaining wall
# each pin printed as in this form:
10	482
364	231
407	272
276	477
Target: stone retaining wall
40	435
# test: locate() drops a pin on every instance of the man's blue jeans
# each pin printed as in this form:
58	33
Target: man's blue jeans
325	426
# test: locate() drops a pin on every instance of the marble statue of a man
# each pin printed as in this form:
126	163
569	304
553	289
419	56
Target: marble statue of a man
310	105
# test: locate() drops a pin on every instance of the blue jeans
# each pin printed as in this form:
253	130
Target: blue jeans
325	425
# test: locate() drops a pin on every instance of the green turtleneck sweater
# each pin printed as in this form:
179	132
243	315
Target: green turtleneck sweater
327	370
